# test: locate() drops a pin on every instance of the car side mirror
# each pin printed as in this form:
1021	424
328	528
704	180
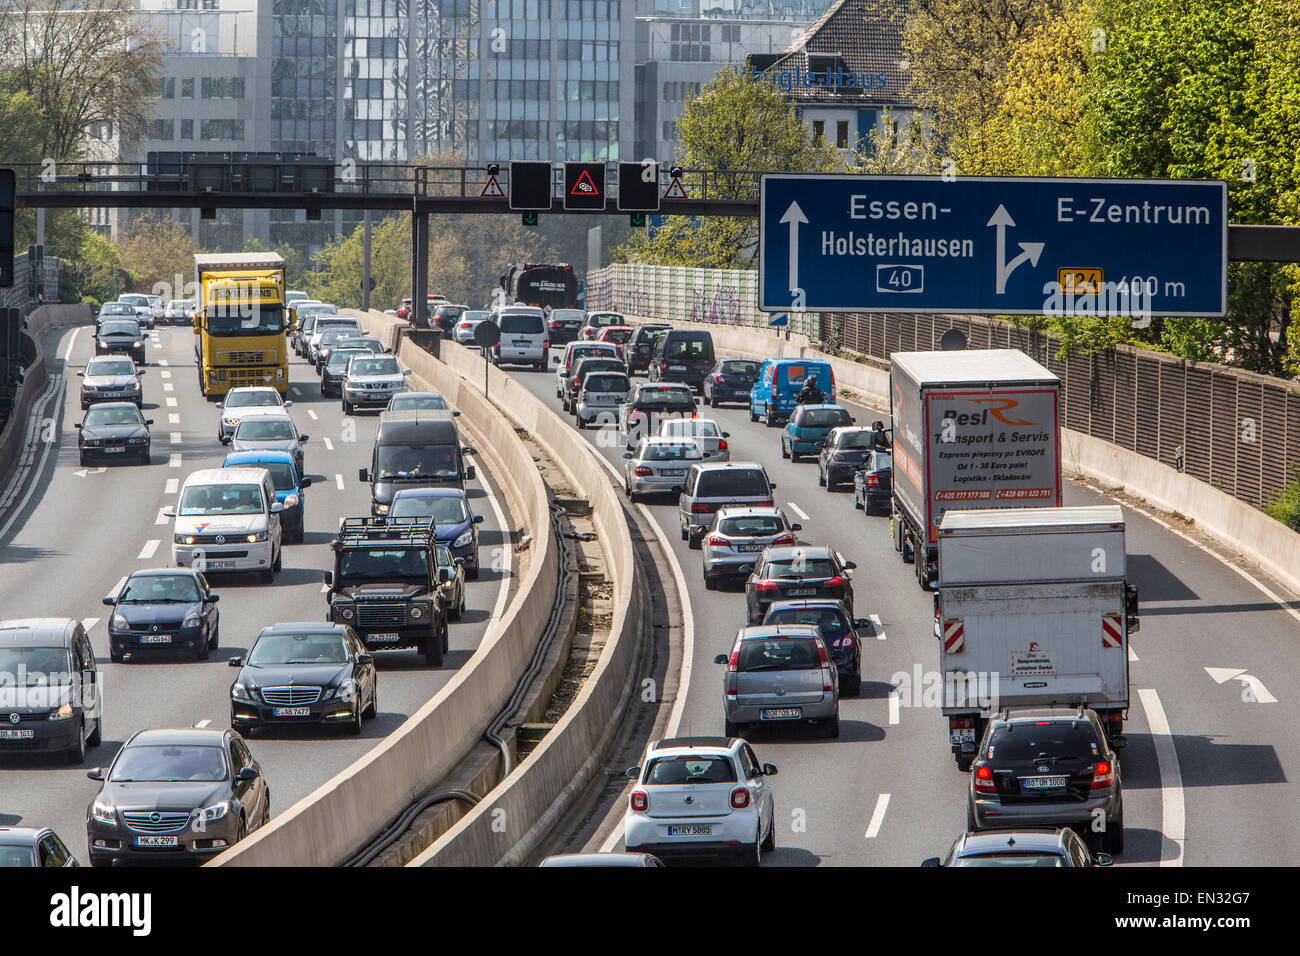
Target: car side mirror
96	774
329	577
862	622
466	450
720	659
626	454
77	425
248	773
303	438
726	434
745	569
83	375
1103	859
365	658
225	439
148	421
477	519
455	413
769	770
632	773
850	565
932	861
289	403
407	371
796	527
470	473
110	601
223	404
771	485
169	513
141	371
213	598
363	474
235	662
276	508
304	483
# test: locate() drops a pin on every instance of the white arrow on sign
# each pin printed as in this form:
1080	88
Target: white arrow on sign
1030	250
90	471
1255	690
794	215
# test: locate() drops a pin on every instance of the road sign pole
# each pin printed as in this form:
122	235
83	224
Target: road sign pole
365	262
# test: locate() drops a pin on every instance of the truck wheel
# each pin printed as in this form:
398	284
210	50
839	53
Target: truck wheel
895	529
908	554
753	415
769	420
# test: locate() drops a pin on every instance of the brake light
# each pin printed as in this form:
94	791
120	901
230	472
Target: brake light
767	585
734	663
722	444
835	582
640	801
715	541
873	480
822	656
787	538
642	471
1103	776
719	379
739	798
546	343
984	781
575	381
699	508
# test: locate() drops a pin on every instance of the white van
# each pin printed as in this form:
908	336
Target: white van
524	340
227	519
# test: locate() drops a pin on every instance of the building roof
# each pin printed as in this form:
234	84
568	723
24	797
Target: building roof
858	37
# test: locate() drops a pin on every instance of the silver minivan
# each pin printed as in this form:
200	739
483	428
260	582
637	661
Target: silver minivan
780	673
524	339
713	485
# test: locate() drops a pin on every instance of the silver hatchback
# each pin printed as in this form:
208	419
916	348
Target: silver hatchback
780	673
658	465
737	537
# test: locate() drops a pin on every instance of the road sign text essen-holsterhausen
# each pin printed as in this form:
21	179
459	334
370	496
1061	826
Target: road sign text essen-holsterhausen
993	245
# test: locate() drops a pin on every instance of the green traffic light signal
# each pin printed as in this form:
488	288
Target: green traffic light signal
637	220
529	218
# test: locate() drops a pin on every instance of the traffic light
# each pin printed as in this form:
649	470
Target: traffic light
530	186
637	220
8	187
529	219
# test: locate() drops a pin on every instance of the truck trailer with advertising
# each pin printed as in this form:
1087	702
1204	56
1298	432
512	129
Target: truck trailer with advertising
972	429
545	286
239	323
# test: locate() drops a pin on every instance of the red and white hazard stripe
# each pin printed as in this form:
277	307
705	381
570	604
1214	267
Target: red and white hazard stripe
1112	630
954	635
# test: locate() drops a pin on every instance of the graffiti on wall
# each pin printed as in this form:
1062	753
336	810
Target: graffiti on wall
721	307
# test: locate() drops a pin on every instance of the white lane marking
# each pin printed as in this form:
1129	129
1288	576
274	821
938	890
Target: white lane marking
88	623
877	626
1132	654
68	351
171	403
165	374
294	389
202	723
168	387
175	437
148	550
162	518
338	481
117	588
324	587
329	445
877	816
175	460
173	486
797	510
163	362
893	707
53	391
82	473
173	419
1258	692
312	415
1173	819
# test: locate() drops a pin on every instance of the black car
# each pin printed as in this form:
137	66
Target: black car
844	451
304	673
797	572
336	370
581	369
838	627
113	431
682	355
1016	848
638	349
33	846
121	336
161	610
176	796
730	381
563	325
873	483
51	697
640	416
445	317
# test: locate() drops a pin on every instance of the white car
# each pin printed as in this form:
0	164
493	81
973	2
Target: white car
701	797
372	380
227	519
247	400
144	309
463	332
658	465
703	431
269	433
572	352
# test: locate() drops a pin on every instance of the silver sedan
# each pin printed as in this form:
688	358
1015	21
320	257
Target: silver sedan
658	465
737	538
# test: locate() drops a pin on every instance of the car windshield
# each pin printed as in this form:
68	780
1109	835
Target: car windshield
688	426
586	351
416	461
601	319
14	856
134	299
339	358
116	308
409	401
521	325
331	336
35	666
690	769
799	566
264	429
859	439
375	366
475	315
283	475
684	350
607	383
298	649
664	451
1052	738
99	415
160	589
354	342
605	364
666	396
1011	859
366	564
449	310
822	417
749	369
443	509
119	328
110	367
617	335
176	305
169	764
752	526
829	620
779	654
733	483
245	319
566	315
260	398
221	500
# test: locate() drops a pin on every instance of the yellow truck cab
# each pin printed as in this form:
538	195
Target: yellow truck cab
240	322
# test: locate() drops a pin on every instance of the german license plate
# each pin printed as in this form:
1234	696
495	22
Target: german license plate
155	638
521	343
1043	783
691	829
781	713
115	450
673	472
750	547
291	711
384	637
961	735
801	592
157	841
220	565
21	734
677	368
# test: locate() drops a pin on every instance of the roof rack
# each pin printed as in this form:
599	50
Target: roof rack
360	532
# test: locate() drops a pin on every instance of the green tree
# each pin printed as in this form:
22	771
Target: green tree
158	252
92	272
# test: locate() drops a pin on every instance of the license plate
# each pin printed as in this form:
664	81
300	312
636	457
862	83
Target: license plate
691	829
750	547
673	472
801	592
677	368
1042	783
115	450
219	565
24	734
155	638
383	637
961	735
521	343
291	711
781	713
157	841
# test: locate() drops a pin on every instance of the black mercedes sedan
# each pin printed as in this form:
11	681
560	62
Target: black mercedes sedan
176	796
120	335
163	609
306	672
113	431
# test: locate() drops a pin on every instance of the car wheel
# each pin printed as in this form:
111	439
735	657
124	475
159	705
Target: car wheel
1113	839
970	818
713	400
77	752
710	584
472	573
215	639
795	456
821	478
279	558
753	415
831	728
579	422
456	612
433	650
205	646
115	656
372	711
685	534
752	852
769	841
243	829
851	686
100	860
769	419
785	453
731	730
347	408
97	738
267	576
696	541
353	726
857	501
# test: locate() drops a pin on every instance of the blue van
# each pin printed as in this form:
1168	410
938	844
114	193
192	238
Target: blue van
290	486
772	397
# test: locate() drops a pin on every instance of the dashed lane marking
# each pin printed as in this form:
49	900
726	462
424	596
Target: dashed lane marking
150	547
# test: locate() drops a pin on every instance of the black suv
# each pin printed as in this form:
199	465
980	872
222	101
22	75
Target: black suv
1048	767
385	585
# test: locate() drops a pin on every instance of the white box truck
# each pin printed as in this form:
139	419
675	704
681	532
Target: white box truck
972	429
1033	609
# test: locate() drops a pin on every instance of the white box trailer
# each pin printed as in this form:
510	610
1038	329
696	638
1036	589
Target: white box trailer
972	428
1033	609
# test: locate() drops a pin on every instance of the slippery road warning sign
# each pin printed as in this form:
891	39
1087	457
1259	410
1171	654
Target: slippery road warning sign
584	186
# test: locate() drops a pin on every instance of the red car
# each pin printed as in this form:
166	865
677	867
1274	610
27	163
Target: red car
618	334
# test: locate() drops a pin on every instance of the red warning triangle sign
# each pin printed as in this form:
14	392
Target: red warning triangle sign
675	190
492	189
584	186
